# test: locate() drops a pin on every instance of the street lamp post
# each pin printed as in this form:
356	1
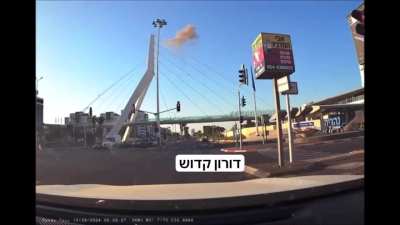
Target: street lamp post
158	23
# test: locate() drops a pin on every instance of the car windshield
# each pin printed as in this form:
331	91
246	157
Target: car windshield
147	93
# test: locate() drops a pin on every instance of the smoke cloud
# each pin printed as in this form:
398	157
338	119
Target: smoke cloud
184	35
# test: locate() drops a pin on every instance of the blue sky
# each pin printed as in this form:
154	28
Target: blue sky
82	47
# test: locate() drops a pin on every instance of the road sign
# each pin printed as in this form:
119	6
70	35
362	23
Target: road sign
292	89
272	56
283	84
304	125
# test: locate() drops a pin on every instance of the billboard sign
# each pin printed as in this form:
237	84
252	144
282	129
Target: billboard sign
272	56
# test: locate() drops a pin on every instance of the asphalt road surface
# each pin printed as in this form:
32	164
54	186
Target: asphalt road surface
157	166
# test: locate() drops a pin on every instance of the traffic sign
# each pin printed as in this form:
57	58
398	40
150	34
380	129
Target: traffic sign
292	89
283	84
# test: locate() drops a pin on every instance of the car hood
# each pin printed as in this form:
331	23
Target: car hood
194	190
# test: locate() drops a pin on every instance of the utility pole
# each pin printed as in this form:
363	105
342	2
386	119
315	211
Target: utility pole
158	23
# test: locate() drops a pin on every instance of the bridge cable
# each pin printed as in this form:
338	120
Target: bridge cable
199	93
223	99
183	93
212	70
180	68
203	74
122	89
108	88
124	100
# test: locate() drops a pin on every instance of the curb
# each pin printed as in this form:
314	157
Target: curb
329	137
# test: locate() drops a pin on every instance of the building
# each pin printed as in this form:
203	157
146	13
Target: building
343	112
214	132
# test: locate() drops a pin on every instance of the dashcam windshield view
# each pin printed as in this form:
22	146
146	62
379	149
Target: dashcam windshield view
199	112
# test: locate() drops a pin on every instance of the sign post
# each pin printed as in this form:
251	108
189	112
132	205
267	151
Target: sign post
278	122
289	88
273	59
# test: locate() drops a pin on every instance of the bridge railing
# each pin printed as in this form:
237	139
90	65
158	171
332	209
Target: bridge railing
245	114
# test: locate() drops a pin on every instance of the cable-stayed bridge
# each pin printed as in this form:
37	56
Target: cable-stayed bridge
190	81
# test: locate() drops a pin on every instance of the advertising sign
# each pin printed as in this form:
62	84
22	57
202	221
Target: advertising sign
272	56
334	123
303	125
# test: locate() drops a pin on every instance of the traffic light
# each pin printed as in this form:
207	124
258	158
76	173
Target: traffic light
243	75
359	16
178	106
90	112
243	101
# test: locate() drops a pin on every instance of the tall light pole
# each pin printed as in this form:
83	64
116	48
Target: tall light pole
158	23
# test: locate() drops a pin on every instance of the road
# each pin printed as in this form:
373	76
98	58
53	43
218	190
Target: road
157	166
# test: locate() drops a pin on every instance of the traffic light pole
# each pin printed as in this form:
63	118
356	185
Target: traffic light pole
240	120
278	121
289	129
255	105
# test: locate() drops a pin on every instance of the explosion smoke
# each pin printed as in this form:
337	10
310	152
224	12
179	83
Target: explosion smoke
182	36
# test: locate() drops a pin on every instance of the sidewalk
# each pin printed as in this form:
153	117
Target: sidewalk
297	140
272	170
